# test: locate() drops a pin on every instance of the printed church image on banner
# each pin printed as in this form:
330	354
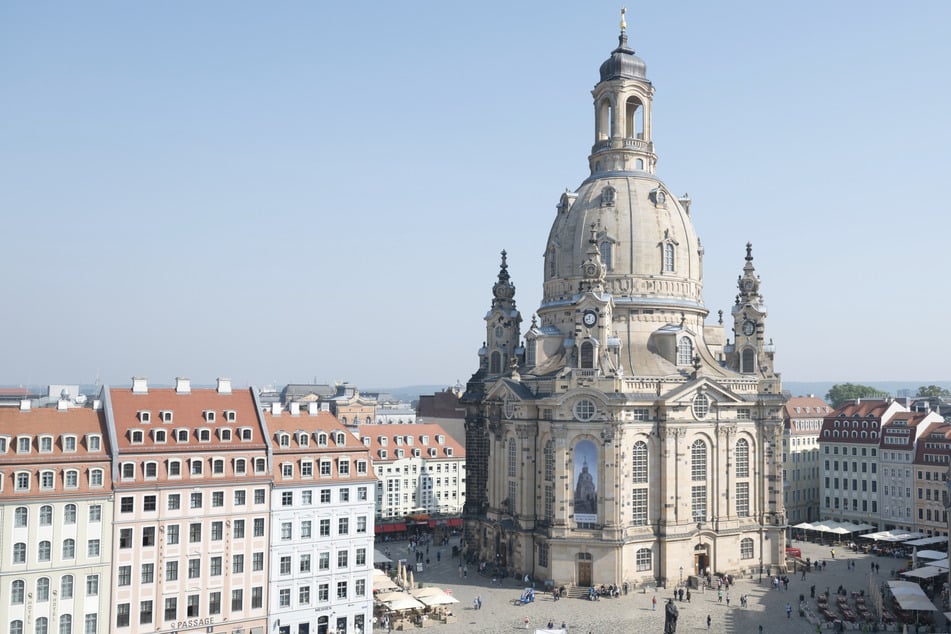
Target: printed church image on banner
622	437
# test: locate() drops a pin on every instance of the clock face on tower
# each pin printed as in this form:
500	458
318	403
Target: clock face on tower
590	318
748	327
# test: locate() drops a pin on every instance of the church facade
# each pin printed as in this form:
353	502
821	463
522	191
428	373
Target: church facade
621	438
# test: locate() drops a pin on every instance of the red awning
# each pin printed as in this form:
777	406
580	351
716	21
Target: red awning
390	528
455	521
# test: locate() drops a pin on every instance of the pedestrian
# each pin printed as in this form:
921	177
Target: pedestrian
465	571
688	595
788	611
833	553
708	621
460	571
760	629
563	626
654	603
526	622
727	598
719	596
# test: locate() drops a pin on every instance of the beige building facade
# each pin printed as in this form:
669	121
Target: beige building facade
802	469
626	440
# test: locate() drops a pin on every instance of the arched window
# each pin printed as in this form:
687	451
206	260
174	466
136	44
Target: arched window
746	548
530	352
587	355
605	122
639	164
668	257
639	462
606	255
66	587
46	515
551	263
16	627
495	362
550	461
42	625
748	361
20	517
643	559
513	458
684	351
742	458
698	461
69	548
43	589
44	551
634	118
16	592
66	624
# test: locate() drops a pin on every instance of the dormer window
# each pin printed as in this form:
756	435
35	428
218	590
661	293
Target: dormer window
209	416
432	452
137	437
366	441
424	440
284	440
23	444
69	444
4	443
204	435
159	435
245	434
416	452
441	439
224	434
303	439
181	435
94	442
230	416
383	454
321	439
409	440
383	440
399	453
165	416
324	468
145	416
341	438
398	440
46	444
448	451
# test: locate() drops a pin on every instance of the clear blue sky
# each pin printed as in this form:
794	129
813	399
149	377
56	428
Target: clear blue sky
280	192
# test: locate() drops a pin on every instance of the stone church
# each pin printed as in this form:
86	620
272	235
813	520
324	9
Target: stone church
621	438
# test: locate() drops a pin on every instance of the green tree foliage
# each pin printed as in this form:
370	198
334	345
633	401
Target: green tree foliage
841	392
933	390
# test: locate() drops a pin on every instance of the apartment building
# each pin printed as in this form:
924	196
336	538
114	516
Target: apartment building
192	500
897	450
932	461
802	470
420	469
55	519
322	504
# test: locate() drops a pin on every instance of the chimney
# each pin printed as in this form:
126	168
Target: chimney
224	386
25	405
62	405
295	409
275	409
140	385
97	404
183	385
312	408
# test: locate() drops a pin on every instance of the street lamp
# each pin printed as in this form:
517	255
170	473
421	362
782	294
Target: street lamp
681	576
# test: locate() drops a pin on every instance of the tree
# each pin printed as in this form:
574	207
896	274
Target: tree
933	390
841	392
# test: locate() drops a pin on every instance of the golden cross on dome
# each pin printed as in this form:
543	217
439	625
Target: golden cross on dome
623	23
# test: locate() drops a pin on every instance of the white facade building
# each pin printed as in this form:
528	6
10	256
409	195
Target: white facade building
321	525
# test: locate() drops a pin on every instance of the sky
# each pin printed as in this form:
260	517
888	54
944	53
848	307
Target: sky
300	191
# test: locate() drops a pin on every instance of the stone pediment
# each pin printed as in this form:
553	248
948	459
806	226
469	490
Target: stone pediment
714	391
506	389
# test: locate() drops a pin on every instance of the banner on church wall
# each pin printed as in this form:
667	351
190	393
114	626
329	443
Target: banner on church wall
586	482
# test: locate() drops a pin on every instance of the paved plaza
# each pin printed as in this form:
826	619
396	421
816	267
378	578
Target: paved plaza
633	613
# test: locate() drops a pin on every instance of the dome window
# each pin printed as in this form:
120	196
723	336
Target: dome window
584	410
608	196
684	351
668	258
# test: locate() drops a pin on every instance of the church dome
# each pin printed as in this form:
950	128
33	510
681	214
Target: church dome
623	63
645	238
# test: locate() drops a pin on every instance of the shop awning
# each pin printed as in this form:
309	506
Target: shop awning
454	521
390	528
925	572
910	596
928	541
